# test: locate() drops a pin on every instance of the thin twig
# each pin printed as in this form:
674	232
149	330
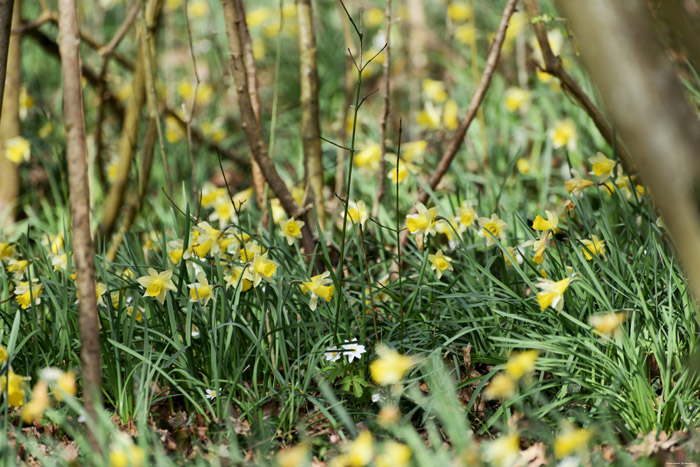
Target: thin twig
112	45
381	189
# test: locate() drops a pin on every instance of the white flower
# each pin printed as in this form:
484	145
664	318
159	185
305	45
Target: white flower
376	397
570	461
353	350
333	354
212	393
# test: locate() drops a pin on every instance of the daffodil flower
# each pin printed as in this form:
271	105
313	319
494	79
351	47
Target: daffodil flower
319	286
500	387
390	367
576	185
24	293
491	229
571	440
423	222
608	324
357	212
563	134
233	278
157	284
521	364
552	293
516	98
207	240
602	166
368	158
17	149
200	291
440	263
263	268
593	247
551	223
291	230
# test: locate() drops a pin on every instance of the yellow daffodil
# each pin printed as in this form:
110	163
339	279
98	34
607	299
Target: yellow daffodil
602	166
361	451
388	416
517	98
450	115
500	387
258	16
278	212
465	33
399	173
368	158
440	263
200	291
211	194
551	223
514	253
491	229
157	284
571	440
576	185
173	130
429	117
503	451
357	213
124	453
294	456
234	278
45	130
197	9
17	149
14	384
523	166
17	267
250	250
390	367
467	214
34	409
434	90
423	222
540	247
26	102
608	324
291	230
563	134
262	268
3	354
460	12
593	247
552	293
7	250
521	363
208	240
374	17
414	151
319	286
24	294
394	454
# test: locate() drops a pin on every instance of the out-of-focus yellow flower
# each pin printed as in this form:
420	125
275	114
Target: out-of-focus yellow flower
34	409
602	166
368	158
211	193
608	324
293	457
17	267
26	102
465	33
467	214
319	286
45	130
517	98
207	240
394	455
390	367
15	388
556	40
504	451
440	263
259	48
491	229
233	279
7	250
563	134
258	16
429	117
576	185
289	10
278	212
124	453
552	293
434	90
157	284
263	268
24	293
373	17
399	173
423	221
523	166
517	23
593	247
388	416
514	253
451	114
200	291
414	151
571	440
551	223
460	12
17	149
3	354
213	131
541	245
361	451
521	363
197	9
357	212
172	5
500	387
173	130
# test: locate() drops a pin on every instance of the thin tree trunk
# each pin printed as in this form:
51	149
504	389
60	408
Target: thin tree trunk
381	189
310	127
349	88
83	252
10	122
6	7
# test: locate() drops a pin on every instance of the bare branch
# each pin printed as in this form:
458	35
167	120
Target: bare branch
381	189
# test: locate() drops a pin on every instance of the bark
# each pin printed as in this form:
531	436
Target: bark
6	7
252	130
83	252
9	119
647	105
310	127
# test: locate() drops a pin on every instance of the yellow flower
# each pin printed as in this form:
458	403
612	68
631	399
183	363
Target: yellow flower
234	278
608	324
517	98
26	102
523	166
24	293
157	284
414	151
518	21
504	451
368	158
3	354
434	90
172	5
550	224
388	416
357	213
373	17
460	11
17	149
552	293
360	452
423	221
465	33
400	172
175	251
467	214
258	16
14	385
593	247
173	130
241	200
576	185
394	455
17	267
7	250
34	409
291	230
197	9
124	453
440	263
540	247
319	286
200	290
571	440
500	387
491	229
513	253
451	115
521	364
208	240
250	250
45	130
602	166
211	194
263	268
563	134
293	457
390	367
429	117
555	39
